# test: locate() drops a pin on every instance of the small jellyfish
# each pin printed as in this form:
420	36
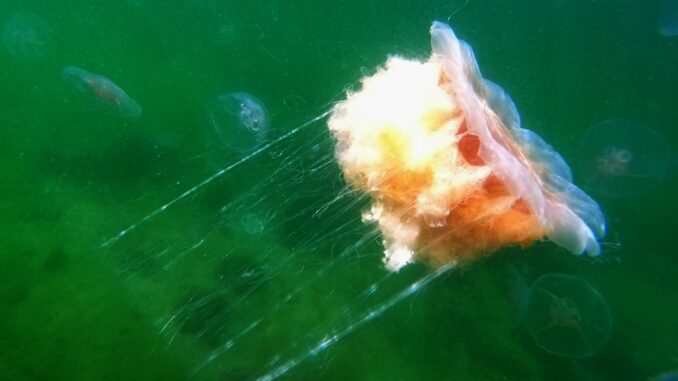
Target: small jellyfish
622	159
104	89
667	24
227	34
567	317
240	121
27	36
253	224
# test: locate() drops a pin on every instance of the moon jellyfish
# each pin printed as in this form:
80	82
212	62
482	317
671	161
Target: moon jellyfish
623	159
667	24
451	173
27	36
104	89
240	121
567	317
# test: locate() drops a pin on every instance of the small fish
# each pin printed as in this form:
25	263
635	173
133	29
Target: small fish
104	89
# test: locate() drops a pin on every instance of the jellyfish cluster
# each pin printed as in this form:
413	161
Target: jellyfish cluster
429	152
422	169
239	119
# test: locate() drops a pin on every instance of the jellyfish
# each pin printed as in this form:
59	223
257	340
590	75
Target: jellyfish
240	121
667	24
567	317
104	89
27	36
620	158
451	173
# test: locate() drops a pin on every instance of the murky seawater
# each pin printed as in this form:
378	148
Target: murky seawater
212	235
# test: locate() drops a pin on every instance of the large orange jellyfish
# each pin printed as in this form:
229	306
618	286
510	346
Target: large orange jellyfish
450	172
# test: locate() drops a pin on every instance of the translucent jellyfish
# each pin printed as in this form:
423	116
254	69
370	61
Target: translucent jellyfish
451	173
667	24
567	317
240	121
104	89
27	36
621	159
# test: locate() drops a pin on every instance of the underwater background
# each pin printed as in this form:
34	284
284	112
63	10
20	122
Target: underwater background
142	246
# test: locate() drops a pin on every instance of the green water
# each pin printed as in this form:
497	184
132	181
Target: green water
260	266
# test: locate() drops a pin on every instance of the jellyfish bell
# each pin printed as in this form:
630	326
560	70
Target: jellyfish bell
240	120
27	37
620	158
614	161
451	173
567	317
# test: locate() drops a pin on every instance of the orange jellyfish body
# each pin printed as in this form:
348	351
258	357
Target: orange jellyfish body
451	173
